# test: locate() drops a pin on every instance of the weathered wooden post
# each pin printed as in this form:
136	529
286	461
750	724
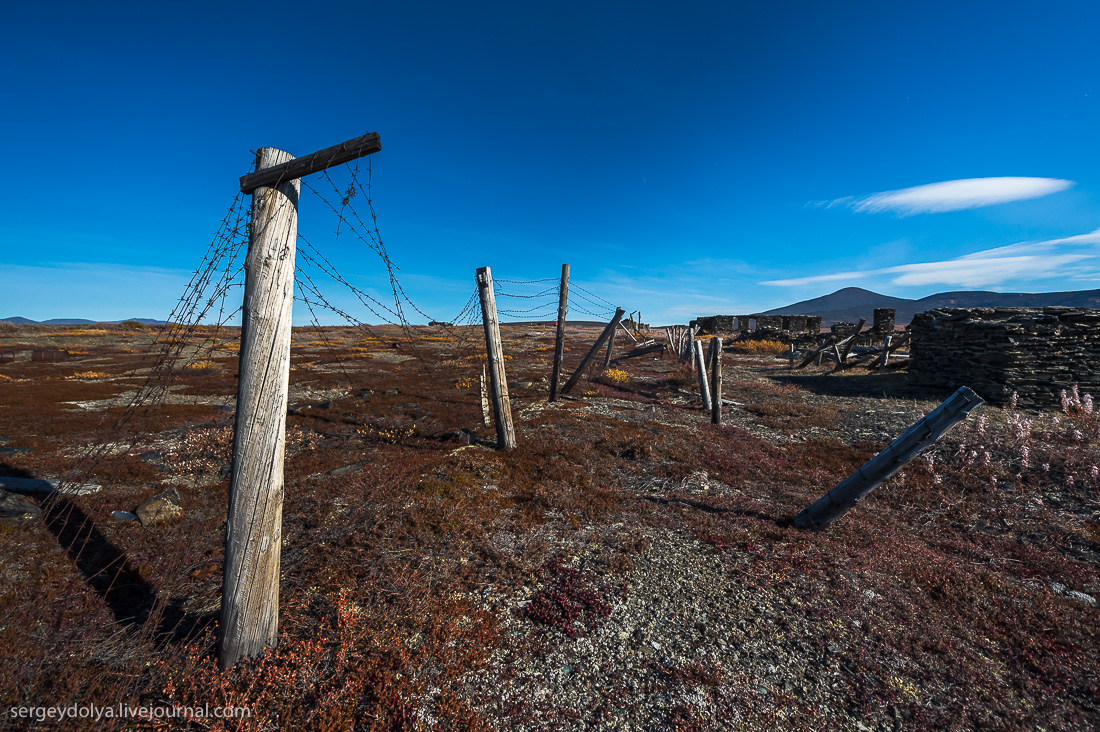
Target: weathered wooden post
885	353
790	356
498	382
249	620
878	469
716	383
253	545
704	388
607	331
559	337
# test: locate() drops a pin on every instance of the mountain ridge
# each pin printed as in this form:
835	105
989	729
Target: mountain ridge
849	304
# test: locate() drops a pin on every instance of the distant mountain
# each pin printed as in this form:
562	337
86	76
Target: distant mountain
852	303
77	321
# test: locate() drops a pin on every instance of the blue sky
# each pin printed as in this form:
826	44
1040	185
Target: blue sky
685	158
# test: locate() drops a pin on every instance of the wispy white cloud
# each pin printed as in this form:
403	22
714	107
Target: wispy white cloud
1026	261
953	195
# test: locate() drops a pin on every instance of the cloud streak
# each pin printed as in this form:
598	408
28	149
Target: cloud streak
1063	257
954	195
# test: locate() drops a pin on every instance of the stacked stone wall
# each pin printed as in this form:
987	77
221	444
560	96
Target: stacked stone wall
883	322
1035	352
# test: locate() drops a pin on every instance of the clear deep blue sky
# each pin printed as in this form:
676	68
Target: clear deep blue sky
685	158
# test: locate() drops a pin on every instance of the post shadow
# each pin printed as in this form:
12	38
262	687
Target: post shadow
109	572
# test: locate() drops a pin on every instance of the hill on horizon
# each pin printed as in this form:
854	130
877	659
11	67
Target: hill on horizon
849	304
18	320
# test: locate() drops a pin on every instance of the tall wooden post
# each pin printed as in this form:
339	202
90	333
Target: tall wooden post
607	331
716	383
498	382
253	532
704	388
559	338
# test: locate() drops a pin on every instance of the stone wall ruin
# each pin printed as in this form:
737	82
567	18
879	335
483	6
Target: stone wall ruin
1036	352
758	325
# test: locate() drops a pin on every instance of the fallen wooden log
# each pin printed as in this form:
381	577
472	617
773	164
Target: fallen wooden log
878	469
660	347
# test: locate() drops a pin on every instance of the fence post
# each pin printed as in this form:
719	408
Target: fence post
610	346
498	382
607	331
878	469
716	383
704	388
249	620
559	338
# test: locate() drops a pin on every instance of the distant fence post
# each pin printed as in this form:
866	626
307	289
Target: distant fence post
878	469
498	382
716	383
249	620
607	331
559	338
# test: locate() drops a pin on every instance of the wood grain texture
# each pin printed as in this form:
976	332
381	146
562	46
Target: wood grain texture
253	535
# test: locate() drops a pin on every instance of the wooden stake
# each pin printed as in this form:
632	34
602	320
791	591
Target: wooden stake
607	331
885	353
559	338
716	383
704	387
790	357
249	620
878	469
498	382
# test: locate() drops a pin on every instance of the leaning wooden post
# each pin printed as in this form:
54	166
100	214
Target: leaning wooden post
253	532
607	331
559	338
704	387
885	353
852	340
878	469
498	382
716	384
610	347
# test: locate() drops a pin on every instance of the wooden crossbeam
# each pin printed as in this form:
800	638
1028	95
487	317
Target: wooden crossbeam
312	163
